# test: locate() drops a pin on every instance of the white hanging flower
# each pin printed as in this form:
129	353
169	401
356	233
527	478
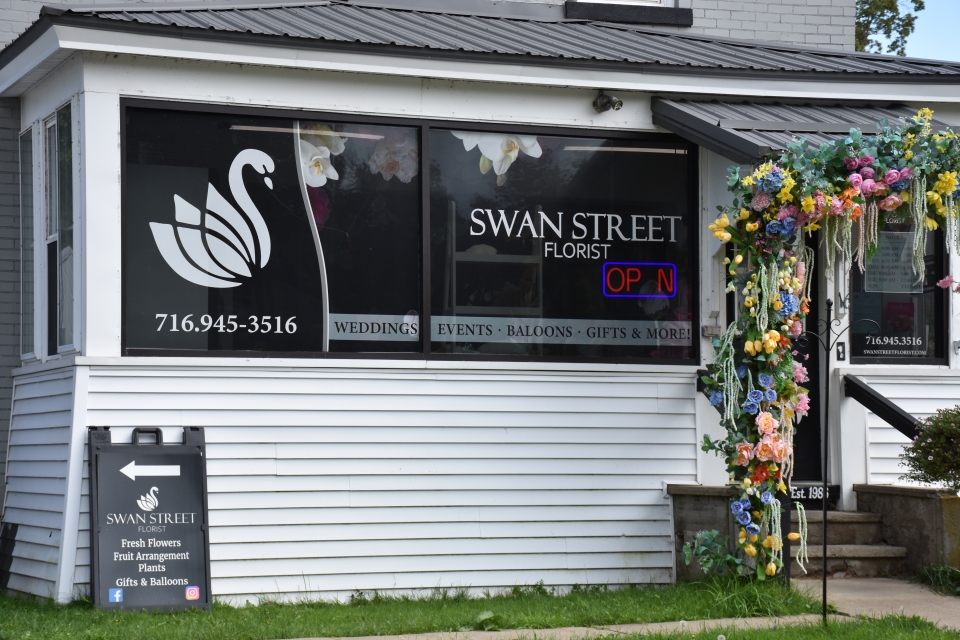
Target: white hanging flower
499	150
320	135
396	158
316	165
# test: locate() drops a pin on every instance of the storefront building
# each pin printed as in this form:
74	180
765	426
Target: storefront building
439	314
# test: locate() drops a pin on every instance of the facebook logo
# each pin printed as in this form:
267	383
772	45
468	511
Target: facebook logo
116	595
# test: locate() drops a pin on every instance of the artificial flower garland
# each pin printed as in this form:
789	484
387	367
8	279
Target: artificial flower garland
849	188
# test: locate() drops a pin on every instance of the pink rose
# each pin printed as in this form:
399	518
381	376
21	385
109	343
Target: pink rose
906	173
891	202
867	172
882	189
868	187
766	422
892	176
744	454
819	202
796	329
946	283
855	180
851	163
781	451
760	201
866	160
765	449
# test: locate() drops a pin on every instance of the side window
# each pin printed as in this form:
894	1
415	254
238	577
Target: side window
27	343
907	312
58	196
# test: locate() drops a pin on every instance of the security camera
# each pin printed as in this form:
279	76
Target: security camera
603	102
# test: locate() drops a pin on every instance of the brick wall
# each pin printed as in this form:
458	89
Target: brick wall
9	265
821	23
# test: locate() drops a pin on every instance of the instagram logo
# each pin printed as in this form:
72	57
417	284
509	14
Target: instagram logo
193	593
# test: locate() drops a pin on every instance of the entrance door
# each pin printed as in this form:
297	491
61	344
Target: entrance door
807	451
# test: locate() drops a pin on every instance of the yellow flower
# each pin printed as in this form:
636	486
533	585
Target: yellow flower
946	182
753	226
743	535
785	195
738	259
777	305
744	214
748	303
771	569
924	114
754	537
905	195
789	183
762	170
933	197
767	542
908	155
793	536
808	204
813	226
748	181
931	223
750	550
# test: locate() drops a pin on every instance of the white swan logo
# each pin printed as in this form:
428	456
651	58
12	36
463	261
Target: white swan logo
149	502
218	249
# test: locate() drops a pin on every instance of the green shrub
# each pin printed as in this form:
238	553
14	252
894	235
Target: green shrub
934	455
942	578
710	550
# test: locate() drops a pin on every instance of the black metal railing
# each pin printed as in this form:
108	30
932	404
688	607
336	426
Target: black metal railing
854	387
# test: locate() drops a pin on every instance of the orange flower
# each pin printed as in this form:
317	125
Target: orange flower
764	450
744	454
856	212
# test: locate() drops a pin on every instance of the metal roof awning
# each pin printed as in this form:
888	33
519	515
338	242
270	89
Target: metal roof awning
747	131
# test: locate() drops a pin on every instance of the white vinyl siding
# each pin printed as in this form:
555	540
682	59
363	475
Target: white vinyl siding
327	481
37	476
918	396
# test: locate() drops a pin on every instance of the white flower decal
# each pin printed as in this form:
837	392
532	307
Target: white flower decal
320	135
316	164
499	150
396	158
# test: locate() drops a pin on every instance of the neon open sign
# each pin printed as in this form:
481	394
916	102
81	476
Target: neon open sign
639	280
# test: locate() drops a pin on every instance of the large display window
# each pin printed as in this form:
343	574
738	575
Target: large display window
278	233
560	246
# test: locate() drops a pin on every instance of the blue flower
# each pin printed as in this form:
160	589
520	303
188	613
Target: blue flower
903	185
753	528
765	380
771	182
745	503
771	395
750	407
774	226
742	370
789	224
766	498
744	517
736	507
716	398
790	302
755	396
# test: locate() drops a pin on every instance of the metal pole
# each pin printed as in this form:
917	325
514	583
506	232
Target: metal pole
826	449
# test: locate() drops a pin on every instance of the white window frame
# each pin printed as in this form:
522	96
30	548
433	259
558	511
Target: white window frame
42	238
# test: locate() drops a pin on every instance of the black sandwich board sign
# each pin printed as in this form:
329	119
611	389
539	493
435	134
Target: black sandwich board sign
150	546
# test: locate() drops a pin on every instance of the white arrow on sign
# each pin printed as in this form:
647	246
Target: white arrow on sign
132	470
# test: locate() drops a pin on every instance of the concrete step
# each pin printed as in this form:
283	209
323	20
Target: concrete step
863	560
843	527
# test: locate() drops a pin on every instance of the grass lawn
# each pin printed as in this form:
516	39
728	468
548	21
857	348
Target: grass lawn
528	608
891	628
